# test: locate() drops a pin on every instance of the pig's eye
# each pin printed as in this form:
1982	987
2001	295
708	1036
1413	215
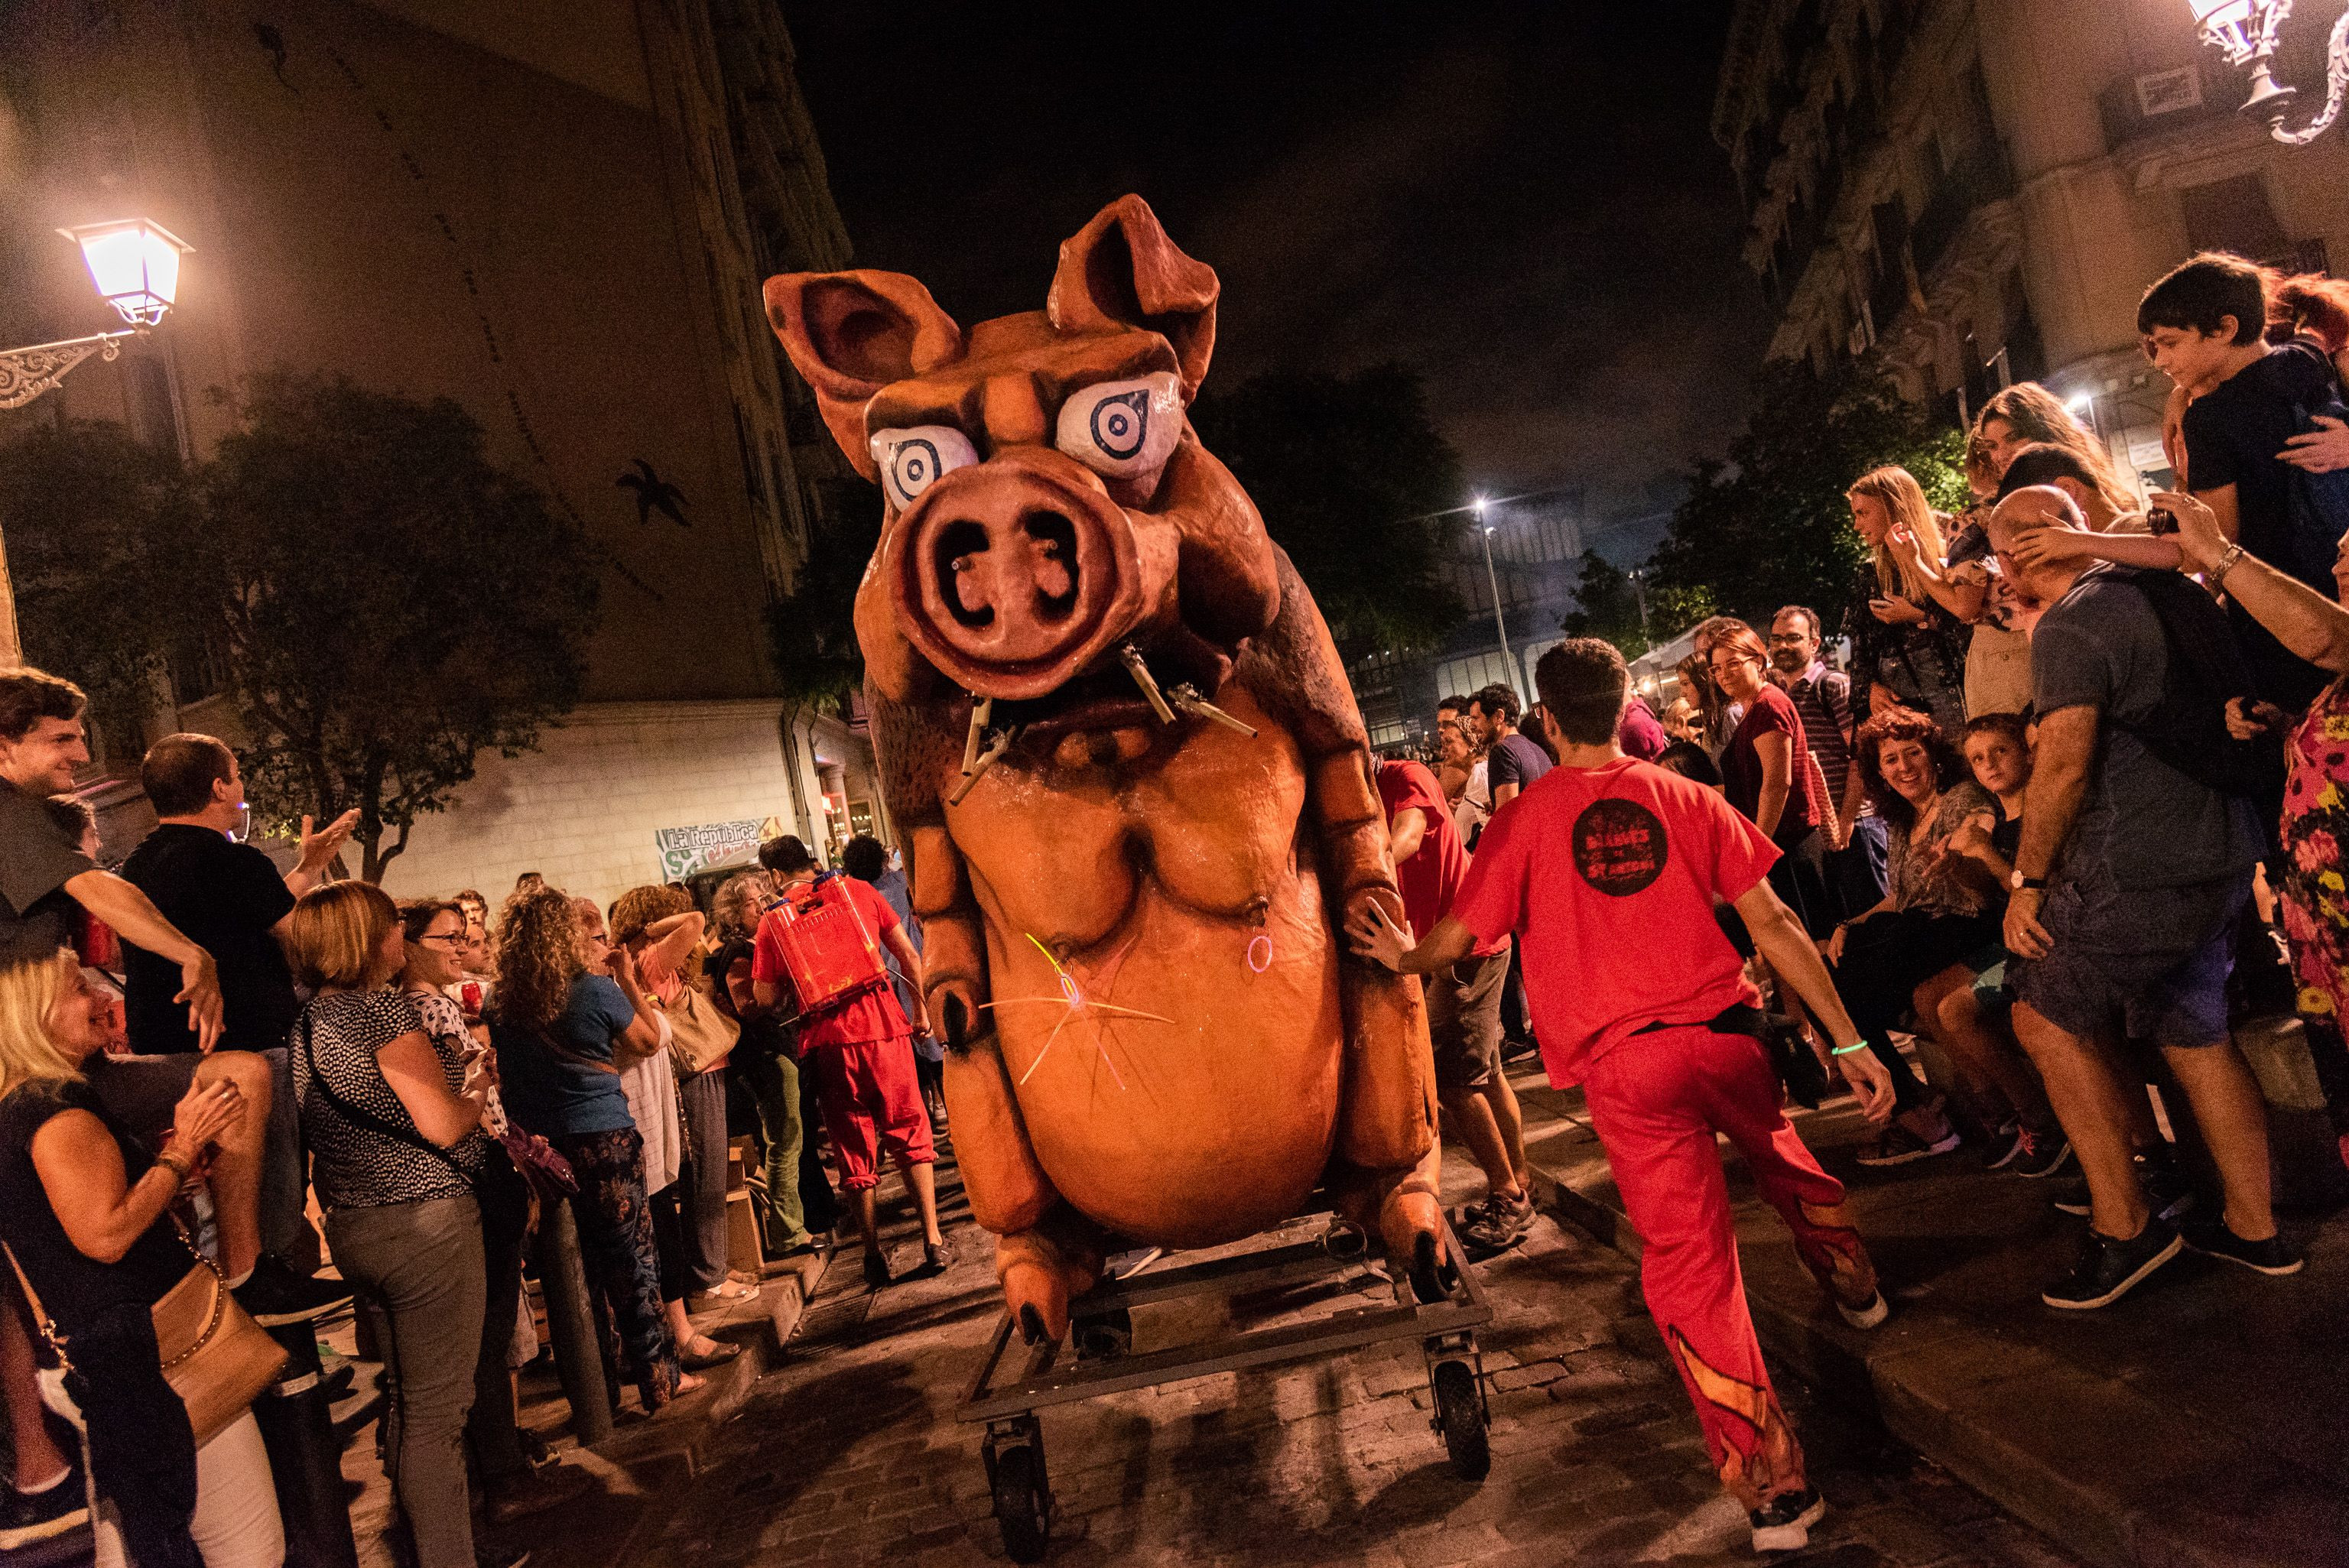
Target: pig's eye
1123	429
911	460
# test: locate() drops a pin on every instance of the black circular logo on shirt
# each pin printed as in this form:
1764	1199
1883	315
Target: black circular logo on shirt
1618	847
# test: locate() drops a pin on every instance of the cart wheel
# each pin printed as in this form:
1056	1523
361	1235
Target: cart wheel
1104	1337
1022	1507
1460	1415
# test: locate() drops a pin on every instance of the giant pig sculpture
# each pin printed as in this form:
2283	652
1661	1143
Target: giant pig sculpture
1137	790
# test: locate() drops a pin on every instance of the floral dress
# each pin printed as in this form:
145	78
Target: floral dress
2316	898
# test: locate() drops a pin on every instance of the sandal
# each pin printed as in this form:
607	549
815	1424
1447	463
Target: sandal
724	1292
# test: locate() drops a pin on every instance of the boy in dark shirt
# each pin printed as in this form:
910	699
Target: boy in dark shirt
2204	325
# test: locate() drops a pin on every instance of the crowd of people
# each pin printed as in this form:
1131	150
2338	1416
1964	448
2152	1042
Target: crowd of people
2070	815
196	1046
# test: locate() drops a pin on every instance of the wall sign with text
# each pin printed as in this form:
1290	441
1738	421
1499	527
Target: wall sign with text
685	850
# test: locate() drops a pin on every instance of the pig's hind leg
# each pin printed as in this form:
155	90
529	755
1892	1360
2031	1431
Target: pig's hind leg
1387	1154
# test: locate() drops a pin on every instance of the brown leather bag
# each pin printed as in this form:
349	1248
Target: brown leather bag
216	1358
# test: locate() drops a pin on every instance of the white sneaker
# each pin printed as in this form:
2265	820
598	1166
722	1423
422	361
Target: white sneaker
1785	1524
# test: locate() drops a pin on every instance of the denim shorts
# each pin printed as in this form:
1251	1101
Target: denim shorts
2150	963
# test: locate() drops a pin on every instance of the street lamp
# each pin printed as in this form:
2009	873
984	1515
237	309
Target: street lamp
2245	32
1500	624
135	264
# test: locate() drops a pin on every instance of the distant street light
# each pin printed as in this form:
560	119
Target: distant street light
2245	32
1500	624
136	266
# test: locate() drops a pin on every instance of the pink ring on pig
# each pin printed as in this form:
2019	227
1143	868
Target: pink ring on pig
1259	955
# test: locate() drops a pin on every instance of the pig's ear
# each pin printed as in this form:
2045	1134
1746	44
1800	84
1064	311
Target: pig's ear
851	334
1120	270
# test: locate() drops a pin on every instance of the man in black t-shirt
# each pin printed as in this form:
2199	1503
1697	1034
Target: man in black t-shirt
1511	760
226	895
2205	326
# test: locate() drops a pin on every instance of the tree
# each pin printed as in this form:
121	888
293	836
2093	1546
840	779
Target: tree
1348	471
1771	526
382	604
89	513
1607	604
390	603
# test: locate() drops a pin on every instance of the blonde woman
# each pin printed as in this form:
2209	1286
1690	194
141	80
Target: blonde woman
392	1117
82	1208
1905	646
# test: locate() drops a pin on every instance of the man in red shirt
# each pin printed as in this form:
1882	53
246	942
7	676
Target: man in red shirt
1607	870
1464	1008
862	1053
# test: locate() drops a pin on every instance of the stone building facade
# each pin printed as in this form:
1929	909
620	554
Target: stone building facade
559	215
1978	191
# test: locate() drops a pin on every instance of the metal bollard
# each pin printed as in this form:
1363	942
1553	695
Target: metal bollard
298	1427
570	1324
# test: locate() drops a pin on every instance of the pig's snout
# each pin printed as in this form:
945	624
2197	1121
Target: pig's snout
1011	576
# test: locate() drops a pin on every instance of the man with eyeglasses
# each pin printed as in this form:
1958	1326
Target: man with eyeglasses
1822	697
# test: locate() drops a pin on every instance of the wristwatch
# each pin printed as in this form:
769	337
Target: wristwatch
2018	882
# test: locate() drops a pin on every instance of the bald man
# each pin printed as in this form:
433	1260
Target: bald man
2128	886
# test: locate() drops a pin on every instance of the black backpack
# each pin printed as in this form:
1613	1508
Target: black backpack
2188	728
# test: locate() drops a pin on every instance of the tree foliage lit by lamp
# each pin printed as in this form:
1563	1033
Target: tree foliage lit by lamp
2246	31
135	264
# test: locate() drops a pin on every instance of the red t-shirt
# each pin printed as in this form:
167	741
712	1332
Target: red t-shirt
1431	878
1607	875
1772	711
871	1015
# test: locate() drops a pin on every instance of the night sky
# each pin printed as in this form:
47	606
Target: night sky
1523	202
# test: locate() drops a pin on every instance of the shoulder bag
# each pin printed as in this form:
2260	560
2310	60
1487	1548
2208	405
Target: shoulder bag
215	1357
548	1173
700	1037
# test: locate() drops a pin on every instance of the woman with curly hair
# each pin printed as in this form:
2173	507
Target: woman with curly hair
1938	913
568	1014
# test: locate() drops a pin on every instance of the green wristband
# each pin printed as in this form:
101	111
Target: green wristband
1846	1050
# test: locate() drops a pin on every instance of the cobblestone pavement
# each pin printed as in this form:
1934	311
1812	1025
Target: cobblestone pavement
851	1453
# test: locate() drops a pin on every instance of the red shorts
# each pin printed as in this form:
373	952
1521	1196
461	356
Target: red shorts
872	1099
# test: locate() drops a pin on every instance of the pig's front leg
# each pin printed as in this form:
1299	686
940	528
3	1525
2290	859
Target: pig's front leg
1294	670
1386	1157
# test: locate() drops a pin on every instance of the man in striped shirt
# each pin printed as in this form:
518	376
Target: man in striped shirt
1822	697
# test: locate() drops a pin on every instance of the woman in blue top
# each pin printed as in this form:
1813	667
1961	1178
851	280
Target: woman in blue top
567	1017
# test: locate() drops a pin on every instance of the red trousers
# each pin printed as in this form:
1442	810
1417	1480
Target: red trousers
1656	1101
872	1098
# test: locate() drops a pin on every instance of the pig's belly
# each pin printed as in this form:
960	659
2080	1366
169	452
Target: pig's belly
1189	1094
1182	1087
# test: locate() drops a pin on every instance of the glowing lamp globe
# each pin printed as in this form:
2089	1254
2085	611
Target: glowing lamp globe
2220	13
135	264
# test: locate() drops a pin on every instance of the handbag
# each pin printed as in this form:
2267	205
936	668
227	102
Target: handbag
214	1356
700	1037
